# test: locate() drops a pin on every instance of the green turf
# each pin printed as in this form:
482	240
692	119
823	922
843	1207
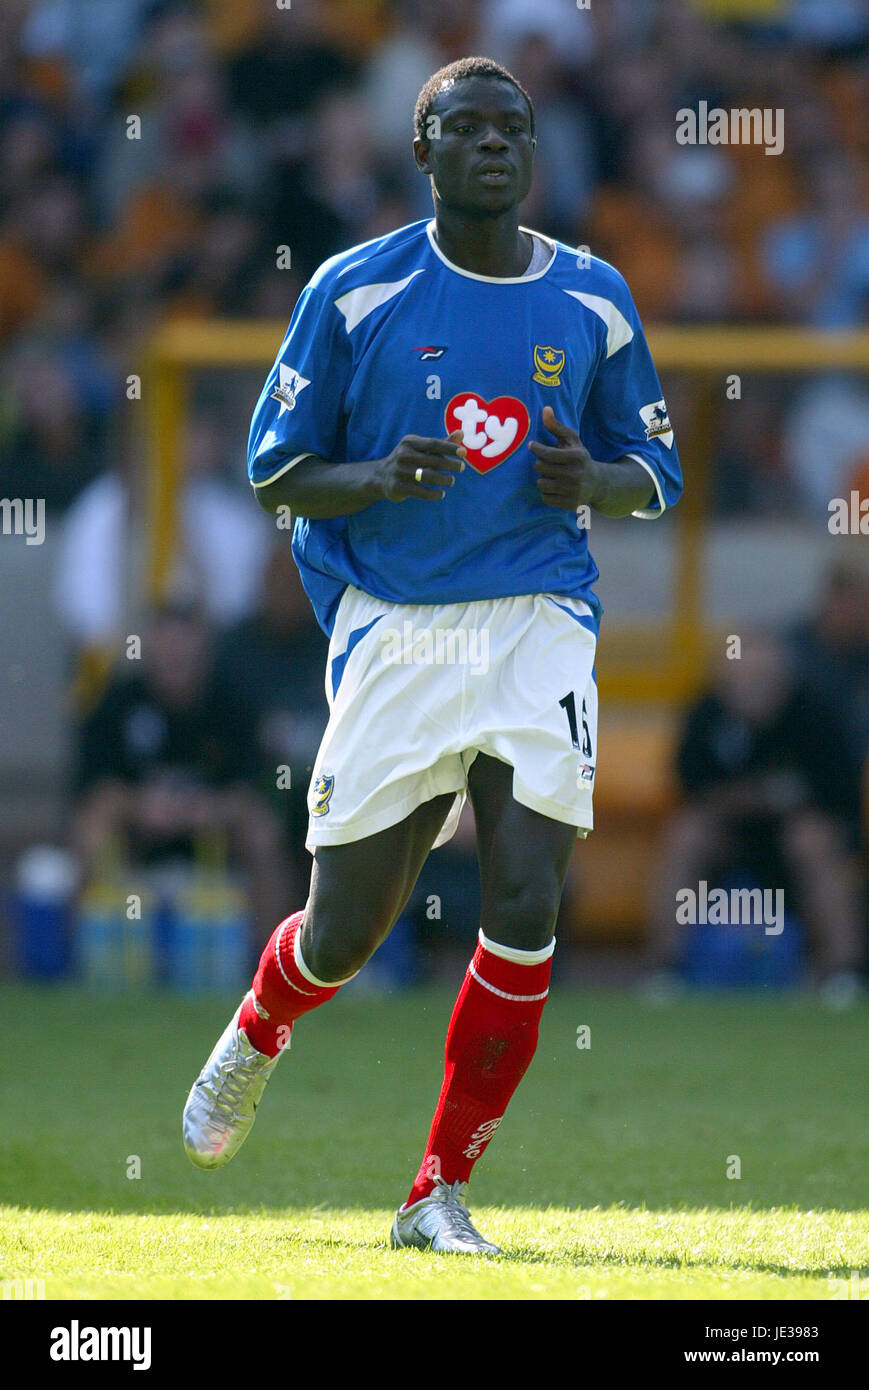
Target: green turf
607	1179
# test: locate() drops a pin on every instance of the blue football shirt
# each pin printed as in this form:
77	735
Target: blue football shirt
390	338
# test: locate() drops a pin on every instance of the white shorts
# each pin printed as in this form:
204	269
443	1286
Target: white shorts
417	691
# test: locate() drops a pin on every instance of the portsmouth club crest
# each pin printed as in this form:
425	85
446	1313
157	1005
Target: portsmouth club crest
321	794
549	364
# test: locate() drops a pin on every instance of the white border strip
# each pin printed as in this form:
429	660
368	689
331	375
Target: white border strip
495	279
502	994
309	993
286	468
308	975
514	954
647	514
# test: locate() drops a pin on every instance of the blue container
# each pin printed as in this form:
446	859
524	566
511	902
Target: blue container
186	954
42	911
395	963
230	970
99	943
114	938
209	937
744	955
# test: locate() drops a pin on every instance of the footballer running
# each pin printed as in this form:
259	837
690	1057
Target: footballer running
448	401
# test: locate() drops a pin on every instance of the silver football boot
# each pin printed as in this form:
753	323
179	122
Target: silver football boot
221	1107
440	1221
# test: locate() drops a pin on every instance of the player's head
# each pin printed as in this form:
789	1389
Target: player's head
471	114
177	653
755	686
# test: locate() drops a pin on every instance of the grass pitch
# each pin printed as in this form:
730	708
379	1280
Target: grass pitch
607	1180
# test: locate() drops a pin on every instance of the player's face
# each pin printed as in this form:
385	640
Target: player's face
482	158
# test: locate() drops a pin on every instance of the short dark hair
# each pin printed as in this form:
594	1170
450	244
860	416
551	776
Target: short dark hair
454	72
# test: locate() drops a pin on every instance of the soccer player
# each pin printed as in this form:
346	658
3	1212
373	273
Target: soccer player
448	403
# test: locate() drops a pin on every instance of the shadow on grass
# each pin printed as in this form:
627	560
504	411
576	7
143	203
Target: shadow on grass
579	1256
584	1258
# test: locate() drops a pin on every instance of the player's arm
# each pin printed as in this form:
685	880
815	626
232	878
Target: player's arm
624	421
568	476
297	435
317	489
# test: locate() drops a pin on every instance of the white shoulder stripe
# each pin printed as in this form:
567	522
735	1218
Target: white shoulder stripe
356	304
618	330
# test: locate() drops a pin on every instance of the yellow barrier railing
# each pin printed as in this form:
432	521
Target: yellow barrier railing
671	669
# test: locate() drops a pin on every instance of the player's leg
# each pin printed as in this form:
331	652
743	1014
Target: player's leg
358	891
492	1034
534	726
524	857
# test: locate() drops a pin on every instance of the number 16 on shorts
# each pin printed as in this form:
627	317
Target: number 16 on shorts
580	735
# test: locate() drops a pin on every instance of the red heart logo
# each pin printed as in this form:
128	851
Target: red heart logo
491	430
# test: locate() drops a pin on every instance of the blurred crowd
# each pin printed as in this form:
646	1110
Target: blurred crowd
155	155
178	159
772	765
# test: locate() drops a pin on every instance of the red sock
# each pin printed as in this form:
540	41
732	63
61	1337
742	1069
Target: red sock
490	1042
283	990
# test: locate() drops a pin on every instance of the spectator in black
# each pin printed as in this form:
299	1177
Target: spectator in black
166	758
831	653
771	785
274	665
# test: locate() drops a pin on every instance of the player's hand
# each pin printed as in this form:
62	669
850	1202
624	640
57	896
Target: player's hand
568	476
438	459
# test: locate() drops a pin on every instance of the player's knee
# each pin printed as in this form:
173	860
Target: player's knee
332	961
333	953
523	915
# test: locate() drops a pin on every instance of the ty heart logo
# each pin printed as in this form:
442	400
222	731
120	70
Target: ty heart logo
491	430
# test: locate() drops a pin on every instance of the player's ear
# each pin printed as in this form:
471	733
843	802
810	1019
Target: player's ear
420	155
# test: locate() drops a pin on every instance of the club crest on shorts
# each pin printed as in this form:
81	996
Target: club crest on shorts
321	794
549	362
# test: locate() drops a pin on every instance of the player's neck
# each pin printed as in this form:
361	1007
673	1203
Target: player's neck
484	245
